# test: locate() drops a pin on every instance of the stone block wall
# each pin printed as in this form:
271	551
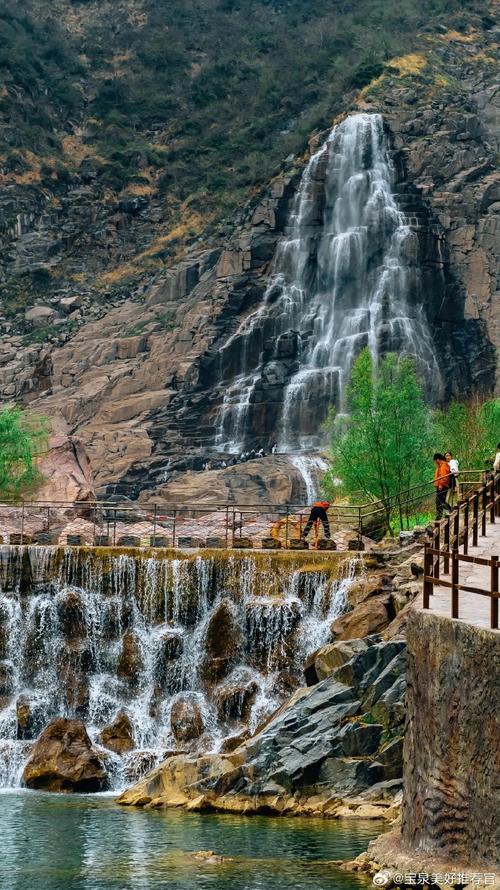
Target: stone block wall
451	805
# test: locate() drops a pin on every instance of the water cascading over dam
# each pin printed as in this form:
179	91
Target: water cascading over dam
345	277
219	640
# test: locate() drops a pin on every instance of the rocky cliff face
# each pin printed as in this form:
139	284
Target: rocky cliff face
140	384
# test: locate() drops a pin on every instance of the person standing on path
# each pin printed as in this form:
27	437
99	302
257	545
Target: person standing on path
318	514
442	476
496	464
453	489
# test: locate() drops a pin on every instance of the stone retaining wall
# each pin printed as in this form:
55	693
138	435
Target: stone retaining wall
451	805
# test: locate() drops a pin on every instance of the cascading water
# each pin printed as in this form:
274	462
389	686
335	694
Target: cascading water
345	277
90	635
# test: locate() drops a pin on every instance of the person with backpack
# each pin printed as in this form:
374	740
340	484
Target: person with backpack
442	476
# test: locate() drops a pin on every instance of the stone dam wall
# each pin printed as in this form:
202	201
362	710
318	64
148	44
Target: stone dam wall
451	805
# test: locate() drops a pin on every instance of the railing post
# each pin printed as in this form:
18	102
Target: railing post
22	524
436	543
466	526
286	526
446	560
497	494
492	502
475	520
484	508
454	584
456	531
494	593
114	528
154	520
227	525
428	562
174	526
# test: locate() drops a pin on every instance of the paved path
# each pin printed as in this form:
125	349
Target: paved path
473	608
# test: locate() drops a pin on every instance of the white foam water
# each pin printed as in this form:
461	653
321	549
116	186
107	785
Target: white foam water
345	277
280	615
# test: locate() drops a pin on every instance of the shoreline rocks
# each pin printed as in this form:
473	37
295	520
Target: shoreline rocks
63	759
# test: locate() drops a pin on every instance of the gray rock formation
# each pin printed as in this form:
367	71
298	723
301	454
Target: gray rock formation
339	739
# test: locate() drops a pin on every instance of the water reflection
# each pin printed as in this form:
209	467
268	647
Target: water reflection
89	843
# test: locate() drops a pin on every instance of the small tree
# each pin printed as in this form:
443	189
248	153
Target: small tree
382	446
22	437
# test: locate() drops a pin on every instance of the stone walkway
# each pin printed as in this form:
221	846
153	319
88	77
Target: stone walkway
473	608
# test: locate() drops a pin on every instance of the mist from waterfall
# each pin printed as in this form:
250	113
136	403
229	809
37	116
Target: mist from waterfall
345	277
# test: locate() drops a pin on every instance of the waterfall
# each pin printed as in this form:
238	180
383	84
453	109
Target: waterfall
88	635
310	468
345	277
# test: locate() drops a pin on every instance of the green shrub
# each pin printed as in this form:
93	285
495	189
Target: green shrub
23	436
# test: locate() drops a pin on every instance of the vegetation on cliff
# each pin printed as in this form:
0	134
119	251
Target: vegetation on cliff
23	436
190	105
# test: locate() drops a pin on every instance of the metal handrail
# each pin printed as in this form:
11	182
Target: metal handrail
368	518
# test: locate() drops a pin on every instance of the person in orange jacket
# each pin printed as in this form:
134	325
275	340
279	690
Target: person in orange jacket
318	513
442	483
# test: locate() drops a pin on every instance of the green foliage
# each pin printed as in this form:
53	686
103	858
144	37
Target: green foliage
365	72
22	437
471	431
383	445
212	93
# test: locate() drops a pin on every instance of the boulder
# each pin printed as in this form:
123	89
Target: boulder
137	764
186	720
63	759
74	662
221	643
69	304
30	718
235	702
367	618
118	736
130	661
325	661
40	315
71	614
169	648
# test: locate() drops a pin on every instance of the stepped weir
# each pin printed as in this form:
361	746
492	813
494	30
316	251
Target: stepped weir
217	637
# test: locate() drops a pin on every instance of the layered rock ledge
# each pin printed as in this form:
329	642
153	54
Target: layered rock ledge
334	749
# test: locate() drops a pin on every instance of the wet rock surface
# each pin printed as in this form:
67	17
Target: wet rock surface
118	736
63	759
186	720
325	744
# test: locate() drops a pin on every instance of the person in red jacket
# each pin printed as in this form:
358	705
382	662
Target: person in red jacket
442	483
318	514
